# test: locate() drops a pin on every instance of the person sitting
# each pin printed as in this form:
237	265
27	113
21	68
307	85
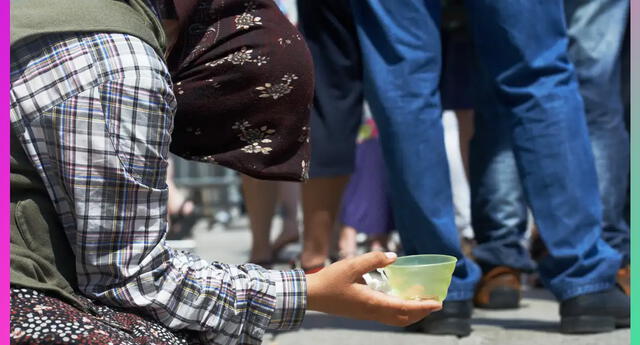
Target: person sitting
92	113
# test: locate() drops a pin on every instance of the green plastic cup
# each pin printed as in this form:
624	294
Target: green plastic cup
420	277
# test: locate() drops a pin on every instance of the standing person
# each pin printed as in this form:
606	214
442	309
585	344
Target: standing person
366	204
330	32
456	92
261	199
522	45
596	31
91	120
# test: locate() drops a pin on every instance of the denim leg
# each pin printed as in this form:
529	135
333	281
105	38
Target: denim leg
523	46
400	41
498	207
596	31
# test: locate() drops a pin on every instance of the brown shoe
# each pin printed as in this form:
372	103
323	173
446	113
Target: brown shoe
624	279
499	289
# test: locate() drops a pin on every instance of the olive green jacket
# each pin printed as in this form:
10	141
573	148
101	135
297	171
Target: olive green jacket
41	257
30	18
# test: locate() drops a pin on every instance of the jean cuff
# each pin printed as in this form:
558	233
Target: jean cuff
565	293
459	295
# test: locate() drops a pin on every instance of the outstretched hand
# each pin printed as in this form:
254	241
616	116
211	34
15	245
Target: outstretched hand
338	289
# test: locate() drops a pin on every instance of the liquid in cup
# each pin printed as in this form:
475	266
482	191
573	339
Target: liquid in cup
421	277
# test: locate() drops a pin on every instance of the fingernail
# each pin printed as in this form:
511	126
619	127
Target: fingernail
391	255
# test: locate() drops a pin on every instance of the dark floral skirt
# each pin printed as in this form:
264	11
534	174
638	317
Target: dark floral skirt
37	318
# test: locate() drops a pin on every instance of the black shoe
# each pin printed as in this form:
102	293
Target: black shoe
453	319
595	312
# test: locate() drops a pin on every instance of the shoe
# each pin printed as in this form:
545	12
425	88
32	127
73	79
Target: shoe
499	289
453	319
624	279
595	312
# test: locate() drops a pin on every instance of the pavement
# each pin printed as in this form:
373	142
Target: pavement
536	322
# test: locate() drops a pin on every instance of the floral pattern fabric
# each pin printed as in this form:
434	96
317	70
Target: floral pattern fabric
244	85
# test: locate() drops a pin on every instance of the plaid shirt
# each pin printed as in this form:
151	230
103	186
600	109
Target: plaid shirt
94	114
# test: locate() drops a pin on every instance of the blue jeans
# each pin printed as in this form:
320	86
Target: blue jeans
498	205
523	45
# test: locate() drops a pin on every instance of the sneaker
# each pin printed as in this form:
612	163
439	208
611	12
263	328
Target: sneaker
499	289
595	312
453	319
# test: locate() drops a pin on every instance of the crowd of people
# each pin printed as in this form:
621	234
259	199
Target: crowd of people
539	111
102	91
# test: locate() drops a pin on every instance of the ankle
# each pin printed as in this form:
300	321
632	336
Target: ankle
307	261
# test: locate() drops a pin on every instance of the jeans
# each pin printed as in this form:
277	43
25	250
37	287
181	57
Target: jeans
596	32
525	57
498	208
498	205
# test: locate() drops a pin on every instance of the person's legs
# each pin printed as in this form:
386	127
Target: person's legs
498	207
458	175
596	31
260	198
499	211
330	34
347	242
526	59
401	53
320	205
536	83
402	62
365	205
289	199
466	130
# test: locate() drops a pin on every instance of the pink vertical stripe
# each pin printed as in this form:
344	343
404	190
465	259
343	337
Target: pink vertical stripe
4	173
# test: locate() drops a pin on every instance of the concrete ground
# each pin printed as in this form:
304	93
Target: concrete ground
535	323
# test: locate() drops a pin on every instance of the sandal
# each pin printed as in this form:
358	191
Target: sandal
297	264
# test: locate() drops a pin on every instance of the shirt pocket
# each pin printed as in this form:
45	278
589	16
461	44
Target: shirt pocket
138	115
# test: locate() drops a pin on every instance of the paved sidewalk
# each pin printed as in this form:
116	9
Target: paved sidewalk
535	323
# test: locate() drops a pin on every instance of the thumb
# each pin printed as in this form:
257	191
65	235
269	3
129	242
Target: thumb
370	261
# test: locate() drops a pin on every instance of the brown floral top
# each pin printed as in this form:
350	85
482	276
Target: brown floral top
243	79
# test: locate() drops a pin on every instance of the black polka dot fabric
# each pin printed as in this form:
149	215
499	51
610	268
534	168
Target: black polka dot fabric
37	318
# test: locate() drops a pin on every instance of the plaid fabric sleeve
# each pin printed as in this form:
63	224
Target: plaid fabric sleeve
291	299
94	113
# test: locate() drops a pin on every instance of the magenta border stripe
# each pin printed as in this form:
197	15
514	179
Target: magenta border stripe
4	173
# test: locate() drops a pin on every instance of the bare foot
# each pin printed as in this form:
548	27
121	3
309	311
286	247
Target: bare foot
288	235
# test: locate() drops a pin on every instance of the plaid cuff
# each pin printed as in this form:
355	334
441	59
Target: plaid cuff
291	299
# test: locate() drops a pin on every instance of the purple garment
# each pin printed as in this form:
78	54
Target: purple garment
366	204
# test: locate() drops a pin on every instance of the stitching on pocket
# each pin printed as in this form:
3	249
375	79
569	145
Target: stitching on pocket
138	177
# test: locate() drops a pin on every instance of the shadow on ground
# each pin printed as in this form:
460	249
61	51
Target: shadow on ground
517	324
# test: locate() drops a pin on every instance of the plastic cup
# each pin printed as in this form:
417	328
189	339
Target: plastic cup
420	277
